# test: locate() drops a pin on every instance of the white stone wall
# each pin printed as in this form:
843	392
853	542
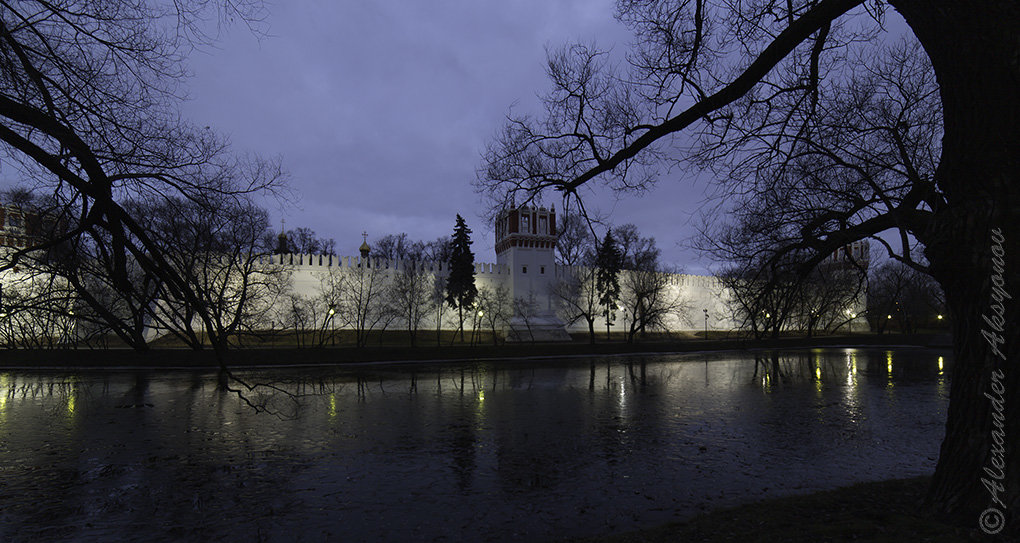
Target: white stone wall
697	292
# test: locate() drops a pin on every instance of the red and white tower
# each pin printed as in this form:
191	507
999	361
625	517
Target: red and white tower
526	244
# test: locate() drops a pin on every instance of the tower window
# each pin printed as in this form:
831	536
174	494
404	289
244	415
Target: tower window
541	269
525	269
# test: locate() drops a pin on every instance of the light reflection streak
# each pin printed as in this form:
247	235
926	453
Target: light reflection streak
72	400
851	391
5	390
888	369
816	361
851	368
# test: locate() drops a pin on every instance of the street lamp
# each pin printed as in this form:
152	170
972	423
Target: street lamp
706	323
332	328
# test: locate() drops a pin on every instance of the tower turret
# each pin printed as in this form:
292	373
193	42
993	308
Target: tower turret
526	244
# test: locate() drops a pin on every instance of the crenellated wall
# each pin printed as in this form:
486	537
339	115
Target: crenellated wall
696	293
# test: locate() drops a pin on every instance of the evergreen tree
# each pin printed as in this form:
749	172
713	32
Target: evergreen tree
460	284
607	280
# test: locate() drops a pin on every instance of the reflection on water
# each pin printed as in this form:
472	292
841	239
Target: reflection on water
488	451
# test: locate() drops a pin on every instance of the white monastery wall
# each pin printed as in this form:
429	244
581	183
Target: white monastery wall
697	293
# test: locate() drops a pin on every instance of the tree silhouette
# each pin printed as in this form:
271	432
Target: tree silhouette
89	114
790	104
460	284
607	277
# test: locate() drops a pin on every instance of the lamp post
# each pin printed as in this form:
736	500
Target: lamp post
332	328
706	323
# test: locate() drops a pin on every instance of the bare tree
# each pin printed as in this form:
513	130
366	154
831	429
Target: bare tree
36	311
575	242
410	297
830	296
649	299
304	240
362	302
439	304
577	297
89	115
758	84
495	309
902	295
217	246
524	310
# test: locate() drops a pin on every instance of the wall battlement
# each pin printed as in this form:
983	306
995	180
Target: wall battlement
300	261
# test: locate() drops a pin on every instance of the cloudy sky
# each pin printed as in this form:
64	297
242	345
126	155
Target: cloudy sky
380	110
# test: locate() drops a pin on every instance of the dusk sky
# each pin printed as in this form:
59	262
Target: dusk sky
380	110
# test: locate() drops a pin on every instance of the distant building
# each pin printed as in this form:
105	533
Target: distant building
14	230
856	254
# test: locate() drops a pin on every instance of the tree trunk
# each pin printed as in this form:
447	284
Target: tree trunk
973	246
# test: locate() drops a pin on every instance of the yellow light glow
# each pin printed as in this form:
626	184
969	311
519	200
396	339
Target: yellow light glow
481	395
818	373
332	406
888	316
940	365
940	317
888	361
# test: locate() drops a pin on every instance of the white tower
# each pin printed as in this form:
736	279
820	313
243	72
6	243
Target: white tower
525	244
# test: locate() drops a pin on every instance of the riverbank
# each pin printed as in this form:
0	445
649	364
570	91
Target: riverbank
325	356
884	511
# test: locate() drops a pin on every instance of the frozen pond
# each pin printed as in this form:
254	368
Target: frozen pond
515	450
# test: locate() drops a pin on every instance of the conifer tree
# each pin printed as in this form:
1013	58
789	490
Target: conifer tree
607	280
460	284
